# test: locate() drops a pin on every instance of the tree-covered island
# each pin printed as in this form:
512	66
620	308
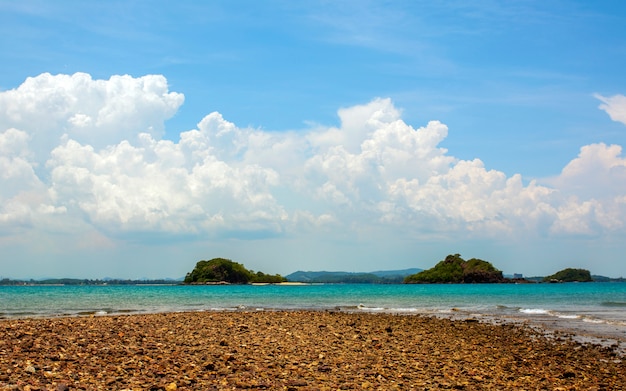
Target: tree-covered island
570	275
220	270
456	270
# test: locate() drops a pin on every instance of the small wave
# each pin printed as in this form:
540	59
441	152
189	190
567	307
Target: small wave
100	312
404	310
562	316
534	311
364	308
219	309
593	320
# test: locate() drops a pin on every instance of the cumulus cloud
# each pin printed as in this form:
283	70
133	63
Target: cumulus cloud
599	171
24	203
103	164
156	187
94	112
615	106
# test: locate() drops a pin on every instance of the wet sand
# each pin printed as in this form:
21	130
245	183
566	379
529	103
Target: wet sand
298	350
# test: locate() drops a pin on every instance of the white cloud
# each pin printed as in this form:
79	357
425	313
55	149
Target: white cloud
615	106
20	188
95	112
156	188
107	168
599	172
593	186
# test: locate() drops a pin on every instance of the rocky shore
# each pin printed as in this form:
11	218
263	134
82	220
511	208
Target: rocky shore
295	351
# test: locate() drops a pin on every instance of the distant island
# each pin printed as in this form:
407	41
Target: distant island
570	275
456	270
225	271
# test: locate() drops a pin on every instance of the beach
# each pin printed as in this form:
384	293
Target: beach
295	350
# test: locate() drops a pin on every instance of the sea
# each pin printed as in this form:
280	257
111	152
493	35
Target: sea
594	310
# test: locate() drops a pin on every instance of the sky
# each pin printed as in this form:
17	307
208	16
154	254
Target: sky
139	137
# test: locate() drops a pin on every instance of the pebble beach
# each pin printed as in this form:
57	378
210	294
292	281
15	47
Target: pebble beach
295	350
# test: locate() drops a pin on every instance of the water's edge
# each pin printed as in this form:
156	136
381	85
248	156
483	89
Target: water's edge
589	313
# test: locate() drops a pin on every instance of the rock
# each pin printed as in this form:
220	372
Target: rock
289	350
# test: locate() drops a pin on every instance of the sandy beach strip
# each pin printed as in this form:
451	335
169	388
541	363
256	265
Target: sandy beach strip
295	350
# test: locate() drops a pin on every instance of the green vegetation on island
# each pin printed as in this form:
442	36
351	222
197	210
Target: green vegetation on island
570	275
455	269
220	270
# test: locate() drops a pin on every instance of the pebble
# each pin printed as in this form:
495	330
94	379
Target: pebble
294	350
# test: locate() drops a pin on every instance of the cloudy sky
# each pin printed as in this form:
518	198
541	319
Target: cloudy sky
138	137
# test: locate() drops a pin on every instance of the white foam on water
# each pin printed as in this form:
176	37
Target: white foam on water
364	308
534	311
569	316
593	320
404	310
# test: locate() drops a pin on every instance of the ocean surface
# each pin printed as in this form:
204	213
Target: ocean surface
594	308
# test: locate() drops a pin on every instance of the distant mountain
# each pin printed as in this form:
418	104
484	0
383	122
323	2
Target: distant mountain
377	277
393	273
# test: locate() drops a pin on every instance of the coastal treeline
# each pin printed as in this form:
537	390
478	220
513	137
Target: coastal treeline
86	281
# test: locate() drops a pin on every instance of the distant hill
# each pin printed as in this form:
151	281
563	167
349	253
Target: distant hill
394	273
597	278
377	277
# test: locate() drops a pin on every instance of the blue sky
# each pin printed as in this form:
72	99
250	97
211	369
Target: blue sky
139	137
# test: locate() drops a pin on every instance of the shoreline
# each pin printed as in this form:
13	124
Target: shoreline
294	350
555	329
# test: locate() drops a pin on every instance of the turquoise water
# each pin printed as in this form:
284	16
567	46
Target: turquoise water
586	306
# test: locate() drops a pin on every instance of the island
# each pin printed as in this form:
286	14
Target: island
570	275
225	271
456	270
